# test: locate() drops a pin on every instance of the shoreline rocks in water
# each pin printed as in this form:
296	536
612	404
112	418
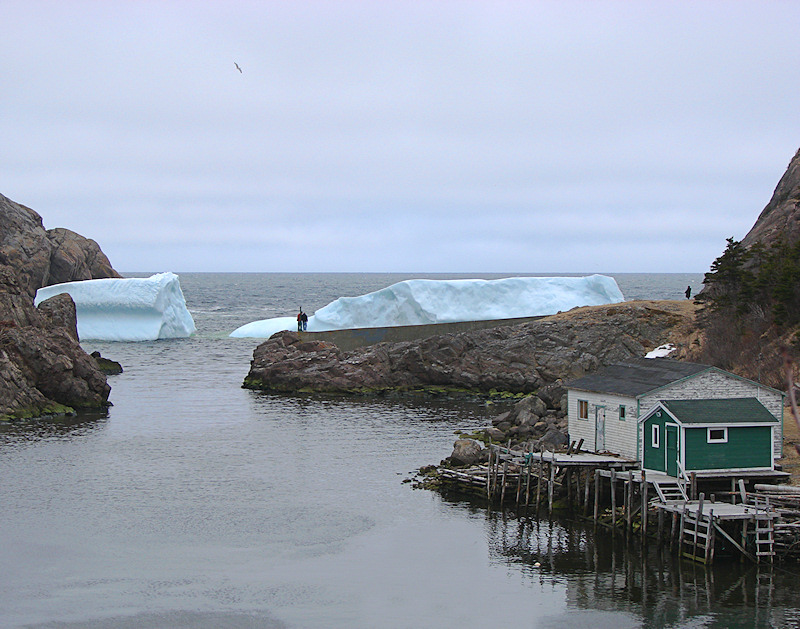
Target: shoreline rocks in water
43	368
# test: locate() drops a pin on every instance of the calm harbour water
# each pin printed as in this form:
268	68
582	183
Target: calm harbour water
196	503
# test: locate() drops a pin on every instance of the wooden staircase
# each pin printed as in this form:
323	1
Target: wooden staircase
670	490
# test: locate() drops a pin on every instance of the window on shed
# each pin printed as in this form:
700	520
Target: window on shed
656	436
717	435
622	412
583	409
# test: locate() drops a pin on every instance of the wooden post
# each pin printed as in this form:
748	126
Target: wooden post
673	530
661	526
551	486
489	476
528	479
693	477
519	485
681	531
744	535
539	482
629	508
596	494
586	493
710	538
614	498
503	482
643	491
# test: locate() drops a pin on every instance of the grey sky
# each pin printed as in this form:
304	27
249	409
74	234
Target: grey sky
399	136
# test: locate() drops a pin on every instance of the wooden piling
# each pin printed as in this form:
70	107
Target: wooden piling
539	485
629	507
643	491
586	493
551	486
529	461
596	495
503	483
614	499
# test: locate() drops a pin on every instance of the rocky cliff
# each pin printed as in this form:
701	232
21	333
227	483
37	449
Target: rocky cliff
780	219
40	257
43	368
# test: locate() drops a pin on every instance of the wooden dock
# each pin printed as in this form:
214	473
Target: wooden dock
758	522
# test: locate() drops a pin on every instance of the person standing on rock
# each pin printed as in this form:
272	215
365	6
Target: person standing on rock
304	320
688	292
300	316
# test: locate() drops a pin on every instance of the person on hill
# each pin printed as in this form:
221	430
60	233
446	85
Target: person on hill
688	292
300	316
304	320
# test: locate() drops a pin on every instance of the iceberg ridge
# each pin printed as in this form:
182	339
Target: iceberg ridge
420	302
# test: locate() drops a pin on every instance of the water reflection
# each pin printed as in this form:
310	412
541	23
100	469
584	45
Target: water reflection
635	585
61	427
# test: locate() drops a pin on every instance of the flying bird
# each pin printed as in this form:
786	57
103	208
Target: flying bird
237	66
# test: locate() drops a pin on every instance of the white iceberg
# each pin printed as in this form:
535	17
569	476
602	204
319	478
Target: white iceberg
420	302
128	309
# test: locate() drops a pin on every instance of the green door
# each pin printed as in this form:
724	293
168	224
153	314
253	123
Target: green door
672	449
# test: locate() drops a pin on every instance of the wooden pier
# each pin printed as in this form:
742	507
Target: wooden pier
757	522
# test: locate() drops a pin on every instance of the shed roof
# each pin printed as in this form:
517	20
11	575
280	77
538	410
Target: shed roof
637	376
747	410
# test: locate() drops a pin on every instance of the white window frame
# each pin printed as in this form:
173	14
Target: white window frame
583	405
623	413
655	436
723	439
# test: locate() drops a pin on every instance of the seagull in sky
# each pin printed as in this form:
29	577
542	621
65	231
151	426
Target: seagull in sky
237	66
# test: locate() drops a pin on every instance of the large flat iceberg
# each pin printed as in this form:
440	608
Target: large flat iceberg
420	302
129	309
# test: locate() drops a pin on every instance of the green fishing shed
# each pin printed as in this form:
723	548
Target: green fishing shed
705	435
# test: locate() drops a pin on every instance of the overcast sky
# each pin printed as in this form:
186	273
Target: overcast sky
438	136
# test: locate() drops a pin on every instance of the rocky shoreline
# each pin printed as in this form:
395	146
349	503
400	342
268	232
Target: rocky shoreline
43	369
528	361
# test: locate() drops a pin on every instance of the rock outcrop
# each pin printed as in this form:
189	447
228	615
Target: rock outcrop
40	257
780	219
518	359
530	359
43	369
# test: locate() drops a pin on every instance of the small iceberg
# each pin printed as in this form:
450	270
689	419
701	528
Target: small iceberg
421	302
127	309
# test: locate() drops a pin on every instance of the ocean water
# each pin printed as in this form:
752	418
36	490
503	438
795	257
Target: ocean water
196	503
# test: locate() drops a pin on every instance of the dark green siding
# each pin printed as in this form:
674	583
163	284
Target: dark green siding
653	458
746	447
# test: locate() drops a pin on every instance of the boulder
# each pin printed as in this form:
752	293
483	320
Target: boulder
106	365
495	434
465	452
552	439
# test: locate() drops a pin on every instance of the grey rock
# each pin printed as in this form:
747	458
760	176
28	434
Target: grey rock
465	452
530	358
43	369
